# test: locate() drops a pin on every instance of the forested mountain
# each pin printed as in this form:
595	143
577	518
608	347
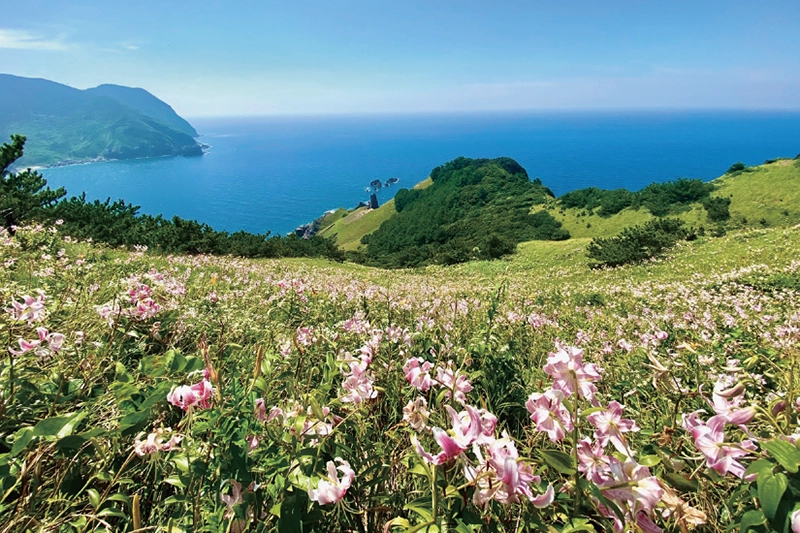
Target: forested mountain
64	124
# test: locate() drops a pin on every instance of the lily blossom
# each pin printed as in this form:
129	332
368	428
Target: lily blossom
232	499
727	403
709	438
502	477
467	428
570	374
332	489
453	380
187	397
416	370
611	426
633	484
549	413
30	309
154	443
416	413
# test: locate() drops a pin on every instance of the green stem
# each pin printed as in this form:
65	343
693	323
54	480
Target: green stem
577	505
434	495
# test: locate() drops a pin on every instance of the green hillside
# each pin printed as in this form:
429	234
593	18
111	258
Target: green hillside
760	196
163	385
65	125
348	231
475	209
764	195
145	102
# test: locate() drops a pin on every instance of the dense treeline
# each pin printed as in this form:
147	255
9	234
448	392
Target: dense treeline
660	199
25	196
475	209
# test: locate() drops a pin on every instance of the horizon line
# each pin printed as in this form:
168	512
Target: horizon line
565	110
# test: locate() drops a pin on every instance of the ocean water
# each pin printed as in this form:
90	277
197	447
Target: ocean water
274	174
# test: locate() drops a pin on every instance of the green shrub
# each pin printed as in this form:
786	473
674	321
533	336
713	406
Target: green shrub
736	167
717	208
638	243
662	199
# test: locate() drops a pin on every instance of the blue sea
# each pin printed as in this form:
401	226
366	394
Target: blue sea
274	174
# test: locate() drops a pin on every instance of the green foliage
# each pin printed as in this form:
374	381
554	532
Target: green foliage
610	202
717	208
660	199
774	282
736	167
638	243
23	195
774	496
475	209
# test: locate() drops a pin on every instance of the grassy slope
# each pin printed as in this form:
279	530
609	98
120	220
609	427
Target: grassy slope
769	192
348	230
547	267
766	191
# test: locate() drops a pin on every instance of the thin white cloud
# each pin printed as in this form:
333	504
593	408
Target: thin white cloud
128	45
24	40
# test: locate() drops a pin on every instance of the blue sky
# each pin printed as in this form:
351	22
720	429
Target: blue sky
215	58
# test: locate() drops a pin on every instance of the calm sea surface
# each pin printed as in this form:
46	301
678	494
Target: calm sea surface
278	173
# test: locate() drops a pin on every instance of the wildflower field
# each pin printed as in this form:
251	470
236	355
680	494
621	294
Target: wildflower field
192	393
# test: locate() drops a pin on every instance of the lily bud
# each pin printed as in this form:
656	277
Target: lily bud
779	407
740	417
736	390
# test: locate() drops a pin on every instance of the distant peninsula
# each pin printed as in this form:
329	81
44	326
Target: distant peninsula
64	125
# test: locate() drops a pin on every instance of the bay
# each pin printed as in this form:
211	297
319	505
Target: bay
276	173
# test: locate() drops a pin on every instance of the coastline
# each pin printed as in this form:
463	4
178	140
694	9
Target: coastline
205	148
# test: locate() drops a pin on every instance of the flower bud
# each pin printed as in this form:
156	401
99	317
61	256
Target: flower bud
736	390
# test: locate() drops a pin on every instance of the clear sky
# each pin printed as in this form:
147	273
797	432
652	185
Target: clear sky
257	57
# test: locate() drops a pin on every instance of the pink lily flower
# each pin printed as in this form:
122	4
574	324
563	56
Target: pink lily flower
30	309
503	477
333	489
549	413
632	483
611	426
709	438
416	370
593	461
467	428
570	374
187	397
261	410
232	499
451	379
731	410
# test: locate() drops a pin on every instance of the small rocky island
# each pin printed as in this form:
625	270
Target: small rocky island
306	231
